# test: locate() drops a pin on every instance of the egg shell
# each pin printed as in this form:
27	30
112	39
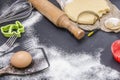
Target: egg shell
21	59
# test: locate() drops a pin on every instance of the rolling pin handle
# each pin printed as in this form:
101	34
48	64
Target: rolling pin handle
64	22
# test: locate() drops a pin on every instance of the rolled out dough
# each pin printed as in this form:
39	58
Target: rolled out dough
75	7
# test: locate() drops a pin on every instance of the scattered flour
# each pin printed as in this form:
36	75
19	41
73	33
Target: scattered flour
3	8
73	67
63	2
34	18
64	66
80	66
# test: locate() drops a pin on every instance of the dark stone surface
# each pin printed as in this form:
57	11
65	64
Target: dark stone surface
50	35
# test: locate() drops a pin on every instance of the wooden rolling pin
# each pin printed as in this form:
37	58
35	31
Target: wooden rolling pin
57	16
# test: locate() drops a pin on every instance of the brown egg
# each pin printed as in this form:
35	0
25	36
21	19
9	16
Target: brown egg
21	59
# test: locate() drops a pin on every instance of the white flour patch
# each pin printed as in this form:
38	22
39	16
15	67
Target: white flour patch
68	1
31	41
80	66
34	18
62	3
4	61
3	8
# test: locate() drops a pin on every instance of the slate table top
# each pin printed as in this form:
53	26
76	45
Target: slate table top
50	35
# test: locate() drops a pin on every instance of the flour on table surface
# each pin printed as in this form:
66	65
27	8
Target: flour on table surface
63	2
64	66
80	66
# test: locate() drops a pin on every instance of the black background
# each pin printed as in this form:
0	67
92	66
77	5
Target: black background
49	35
